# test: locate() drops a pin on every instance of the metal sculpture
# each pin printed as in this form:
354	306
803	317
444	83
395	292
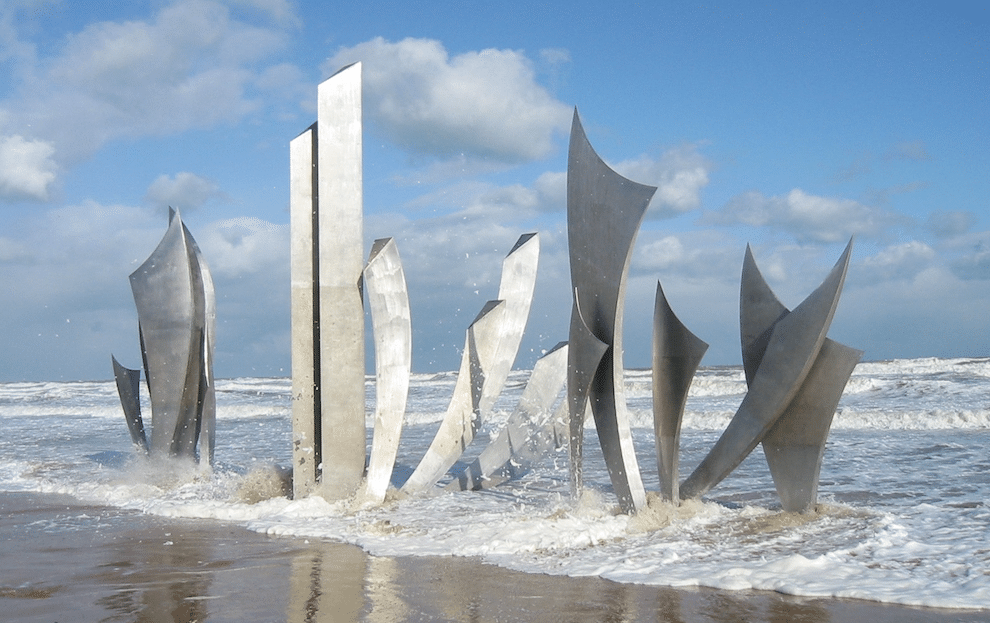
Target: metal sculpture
491	345
786	352
529	432
385	284
173	292
676	355
796	443
327	303
604	211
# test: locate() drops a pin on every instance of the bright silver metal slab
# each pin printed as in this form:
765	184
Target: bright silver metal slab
341	263
604	211
676	355
305	313
792	347
516	288
388	299
528	434
463	416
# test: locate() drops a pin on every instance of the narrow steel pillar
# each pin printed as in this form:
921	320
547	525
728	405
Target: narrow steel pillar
304	275
341	261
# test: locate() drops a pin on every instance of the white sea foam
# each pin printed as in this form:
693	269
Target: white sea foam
904	513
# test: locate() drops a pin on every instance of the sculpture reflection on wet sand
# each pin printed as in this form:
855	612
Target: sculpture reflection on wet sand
173	292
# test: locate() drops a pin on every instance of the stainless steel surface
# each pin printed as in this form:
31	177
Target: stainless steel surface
129	390
528	434
463	416
604	211
341	263
385	284
492	342
306	441
795	445
791	347
676	355
173	293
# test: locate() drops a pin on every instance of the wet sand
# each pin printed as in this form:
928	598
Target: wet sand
64	562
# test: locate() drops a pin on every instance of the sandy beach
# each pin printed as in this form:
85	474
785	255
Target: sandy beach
65	562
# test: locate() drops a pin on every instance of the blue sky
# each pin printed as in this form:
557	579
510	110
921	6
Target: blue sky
787	126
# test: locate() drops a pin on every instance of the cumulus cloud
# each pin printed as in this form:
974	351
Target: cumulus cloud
809	218
679	175
27	169
897	262
484	104
185	191
193	64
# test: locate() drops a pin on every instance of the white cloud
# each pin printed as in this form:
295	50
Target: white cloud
185	192
193	64
809	218
26	168
897	262
483	104
679	175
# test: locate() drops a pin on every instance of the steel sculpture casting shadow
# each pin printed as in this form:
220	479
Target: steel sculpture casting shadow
176	305
604	211
491	345
782	356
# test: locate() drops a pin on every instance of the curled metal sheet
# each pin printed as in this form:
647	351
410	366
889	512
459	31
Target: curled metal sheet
796	443
676	355
528	434
129	390
515	288
174	294
463	416
604	212
385	284
792	345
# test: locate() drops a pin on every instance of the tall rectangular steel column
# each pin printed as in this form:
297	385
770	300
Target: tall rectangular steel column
327	260
341	262
306	443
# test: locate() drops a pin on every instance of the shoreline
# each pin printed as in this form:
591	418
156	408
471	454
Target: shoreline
68	561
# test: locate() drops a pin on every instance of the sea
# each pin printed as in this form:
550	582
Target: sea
904	495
